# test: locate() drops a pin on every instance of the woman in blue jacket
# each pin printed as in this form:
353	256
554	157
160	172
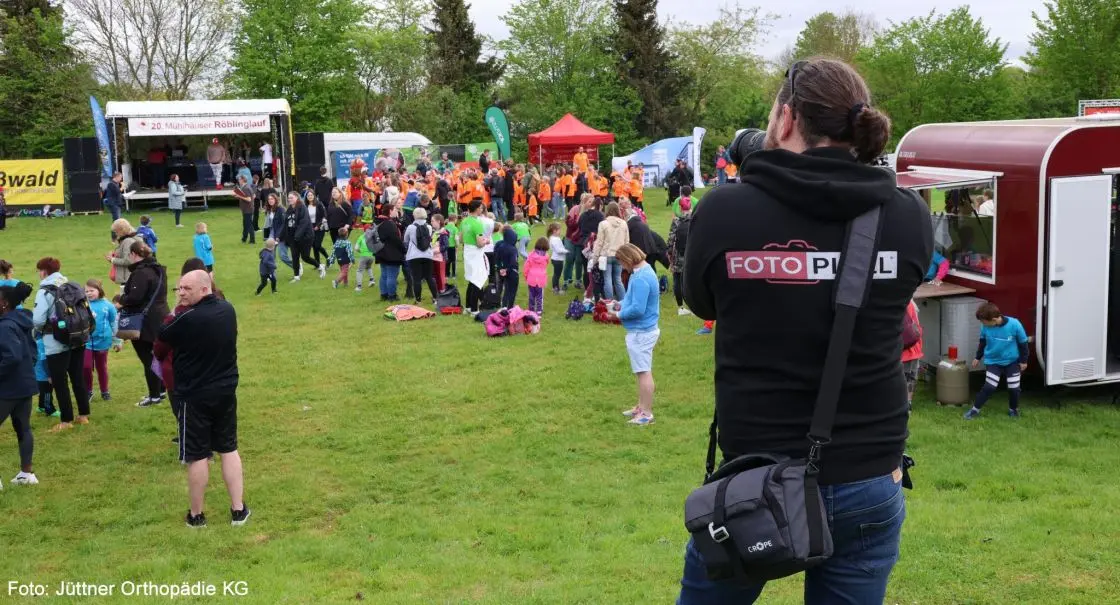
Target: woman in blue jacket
17	373
640	311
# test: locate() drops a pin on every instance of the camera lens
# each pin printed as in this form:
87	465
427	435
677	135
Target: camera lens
747	142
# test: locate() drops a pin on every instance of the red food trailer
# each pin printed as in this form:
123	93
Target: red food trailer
1024	212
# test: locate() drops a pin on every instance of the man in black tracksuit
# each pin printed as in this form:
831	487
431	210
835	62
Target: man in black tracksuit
761	262
203	339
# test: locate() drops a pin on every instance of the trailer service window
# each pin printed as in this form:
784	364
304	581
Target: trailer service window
964	219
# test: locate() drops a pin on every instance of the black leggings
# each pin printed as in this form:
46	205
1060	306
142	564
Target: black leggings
20	411
65	369
474	295
557	270
46	398
178	213
265	279
678	287
421	271
144	353
302	250
318	249
449	263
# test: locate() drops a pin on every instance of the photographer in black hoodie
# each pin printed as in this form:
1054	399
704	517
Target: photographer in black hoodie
760	261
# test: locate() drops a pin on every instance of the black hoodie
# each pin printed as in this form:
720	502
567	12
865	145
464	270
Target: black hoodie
759	261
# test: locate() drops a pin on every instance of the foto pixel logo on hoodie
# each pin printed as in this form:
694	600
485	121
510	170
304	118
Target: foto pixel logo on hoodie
798	262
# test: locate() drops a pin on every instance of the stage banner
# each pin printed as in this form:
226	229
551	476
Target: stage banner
499	127
157	127
100	129
473	151
32	182
694	161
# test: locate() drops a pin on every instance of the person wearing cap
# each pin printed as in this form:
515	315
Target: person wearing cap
215	154
17	373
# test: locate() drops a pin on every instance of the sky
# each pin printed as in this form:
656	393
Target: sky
1009	20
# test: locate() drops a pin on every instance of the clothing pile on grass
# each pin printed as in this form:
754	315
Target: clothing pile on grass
407	313
599	311
511	322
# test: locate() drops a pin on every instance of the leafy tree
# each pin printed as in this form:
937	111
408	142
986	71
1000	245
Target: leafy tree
832	35
455	53
391	64
737	91
300	50
1074	55
557	62
647	65
44	86
938	68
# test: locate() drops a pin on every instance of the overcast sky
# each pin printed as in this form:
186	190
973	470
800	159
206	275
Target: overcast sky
1009	20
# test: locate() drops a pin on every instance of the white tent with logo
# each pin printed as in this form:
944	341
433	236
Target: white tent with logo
137	126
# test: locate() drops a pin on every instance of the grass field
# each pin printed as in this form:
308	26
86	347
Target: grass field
423	463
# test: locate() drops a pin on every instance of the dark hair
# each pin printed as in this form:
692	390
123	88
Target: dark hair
323	171
686	191
474	205
15	295
541	245
988	312
49	264
193	264
5	267
139	248
832	101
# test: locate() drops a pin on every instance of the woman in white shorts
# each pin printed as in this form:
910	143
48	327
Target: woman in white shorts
640	311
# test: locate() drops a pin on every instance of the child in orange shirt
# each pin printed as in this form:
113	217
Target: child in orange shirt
543	196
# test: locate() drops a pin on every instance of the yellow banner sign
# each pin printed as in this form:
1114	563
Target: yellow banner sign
32	182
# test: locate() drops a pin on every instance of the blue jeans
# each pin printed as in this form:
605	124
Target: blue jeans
572	262
499	207
388	281
721	175
865	518
612	280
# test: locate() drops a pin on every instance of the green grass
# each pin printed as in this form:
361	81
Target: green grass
423	463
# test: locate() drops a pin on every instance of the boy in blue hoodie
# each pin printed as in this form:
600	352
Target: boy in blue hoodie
147	234
1003	346
505	260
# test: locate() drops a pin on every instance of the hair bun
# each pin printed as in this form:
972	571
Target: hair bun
871	129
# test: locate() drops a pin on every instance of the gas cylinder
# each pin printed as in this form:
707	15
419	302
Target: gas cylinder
952	380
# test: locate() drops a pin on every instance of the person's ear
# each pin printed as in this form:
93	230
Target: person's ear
786	123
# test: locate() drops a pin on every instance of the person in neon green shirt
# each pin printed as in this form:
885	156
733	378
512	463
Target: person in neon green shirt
452	235
686	192
521	228
365	262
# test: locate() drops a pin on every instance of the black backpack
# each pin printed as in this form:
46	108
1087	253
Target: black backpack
423	237
373	240
683	225
70	320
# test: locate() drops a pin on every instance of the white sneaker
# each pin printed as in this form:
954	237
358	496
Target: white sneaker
358	289
683	311
294	280
335	282
322	271
25	479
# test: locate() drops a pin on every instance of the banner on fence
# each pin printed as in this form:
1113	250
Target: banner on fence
32	182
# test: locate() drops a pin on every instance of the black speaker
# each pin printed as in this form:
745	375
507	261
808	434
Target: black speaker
85	191
310	149
91	156
72	154
307	172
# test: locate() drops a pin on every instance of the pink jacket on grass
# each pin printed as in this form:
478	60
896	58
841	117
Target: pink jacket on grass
536	269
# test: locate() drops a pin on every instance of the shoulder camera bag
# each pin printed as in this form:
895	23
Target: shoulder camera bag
761	516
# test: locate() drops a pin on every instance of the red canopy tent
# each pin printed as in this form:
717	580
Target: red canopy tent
561	141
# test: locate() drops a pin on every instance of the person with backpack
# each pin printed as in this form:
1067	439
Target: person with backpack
146	294
678	242
17	373
418	255
63	316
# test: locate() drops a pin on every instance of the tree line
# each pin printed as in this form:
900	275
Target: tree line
422	65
